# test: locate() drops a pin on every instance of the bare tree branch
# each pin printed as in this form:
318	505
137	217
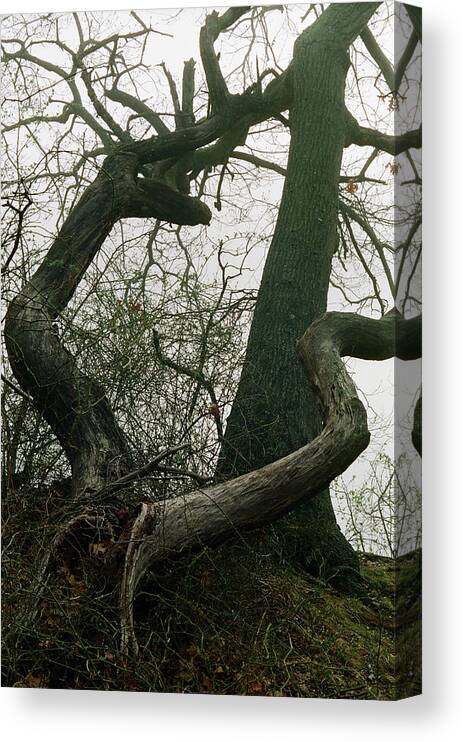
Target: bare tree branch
394	145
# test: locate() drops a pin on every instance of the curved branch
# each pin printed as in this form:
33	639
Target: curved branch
173	94
393	75
258	161
243	111
393	144
210	516
139	107
379	57
219	152
60	118
154	199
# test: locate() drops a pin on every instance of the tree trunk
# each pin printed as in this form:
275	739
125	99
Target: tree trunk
274	412
71	402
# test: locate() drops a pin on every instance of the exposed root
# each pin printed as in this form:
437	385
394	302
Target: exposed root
134	569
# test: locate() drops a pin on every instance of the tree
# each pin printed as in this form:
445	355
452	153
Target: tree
274	412
284	450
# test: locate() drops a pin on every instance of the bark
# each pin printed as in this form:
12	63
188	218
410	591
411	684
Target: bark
274	412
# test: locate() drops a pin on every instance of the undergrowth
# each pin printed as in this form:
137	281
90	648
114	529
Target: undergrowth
208	623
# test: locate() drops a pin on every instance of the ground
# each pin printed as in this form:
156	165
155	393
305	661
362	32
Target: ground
212	624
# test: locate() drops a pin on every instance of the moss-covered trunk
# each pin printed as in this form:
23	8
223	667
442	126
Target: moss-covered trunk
274	412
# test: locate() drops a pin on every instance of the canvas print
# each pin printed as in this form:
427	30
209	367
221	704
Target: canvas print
211	411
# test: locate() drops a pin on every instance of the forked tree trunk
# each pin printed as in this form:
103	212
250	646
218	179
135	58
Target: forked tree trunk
274	412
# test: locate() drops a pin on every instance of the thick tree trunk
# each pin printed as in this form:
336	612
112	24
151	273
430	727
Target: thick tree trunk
70	401
274	412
